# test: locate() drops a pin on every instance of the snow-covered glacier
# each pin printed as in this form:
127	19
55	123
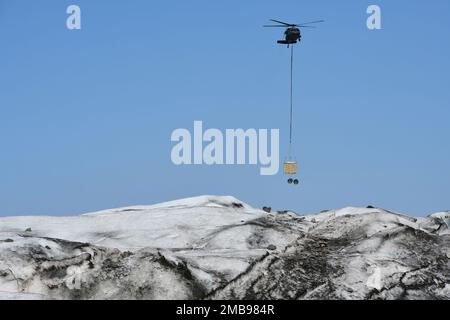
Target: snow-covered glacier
213	247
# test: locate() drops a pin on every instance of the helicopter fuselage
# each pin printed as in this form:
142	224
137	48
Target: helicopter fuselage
292	36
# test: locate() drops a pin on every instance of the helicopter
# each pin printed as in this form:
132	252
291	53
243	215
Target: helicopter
293	31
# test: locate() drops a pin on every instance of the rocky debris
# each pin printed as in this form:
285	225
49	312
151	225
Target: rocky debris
267	209
103	274
321	268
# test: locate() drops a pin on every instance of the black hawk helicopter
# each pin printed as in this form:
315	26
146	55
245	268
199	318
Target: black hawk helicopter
293	33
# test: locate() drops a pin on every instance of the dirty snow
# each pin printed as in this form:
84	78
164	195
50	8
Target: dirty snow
219	247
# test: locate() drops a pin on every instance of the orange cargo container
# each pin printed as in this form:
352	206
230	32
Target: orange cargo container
290	167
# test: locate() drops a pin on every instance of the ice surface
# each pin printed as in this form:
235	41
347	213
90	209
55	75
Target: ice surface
218	247
177	224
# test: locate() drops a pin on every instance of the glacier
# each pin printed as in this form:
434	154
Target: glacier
218	247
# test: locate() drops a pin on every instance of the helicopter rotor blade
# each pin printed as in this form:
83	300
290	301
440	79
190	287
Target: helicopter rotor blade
299	26
306	23
286	24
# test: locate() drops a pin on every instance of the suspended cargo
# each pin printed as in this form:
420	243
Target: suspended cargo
290	167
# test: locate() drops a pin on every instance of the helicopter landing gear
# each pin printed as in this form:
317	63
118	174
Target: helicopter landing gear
293	181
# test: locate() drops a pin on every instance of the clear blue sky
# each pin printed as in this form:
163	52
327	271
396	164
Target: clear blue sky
86	116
